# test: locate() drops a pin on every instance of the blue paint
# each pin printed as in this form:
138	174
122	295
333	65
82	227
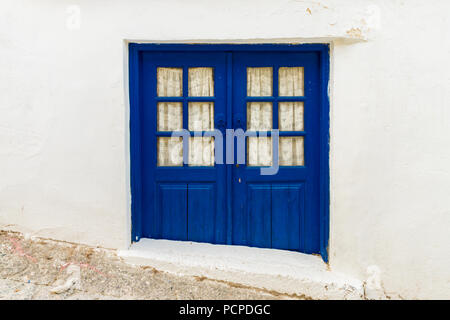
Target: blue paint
226	203
170	215
195	189
288	211
258	207
255	225
324	151
202	213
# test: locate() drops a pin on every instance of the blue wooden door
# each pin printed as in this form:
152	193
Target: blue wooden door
185	98
277	91
182	200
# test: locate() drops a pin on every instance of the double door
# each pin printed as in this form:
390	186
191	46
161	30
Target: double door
229	148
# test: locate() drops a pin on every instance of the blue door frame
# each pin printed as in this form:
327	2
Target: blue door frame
137	97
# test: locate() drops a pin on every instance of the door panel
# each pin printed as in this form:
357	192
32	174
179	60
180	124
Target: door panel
201	212
288	211
182	201
258	215
171	220
277	91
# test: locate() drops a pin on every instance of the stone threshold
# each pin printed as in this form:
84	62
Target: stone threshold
281	271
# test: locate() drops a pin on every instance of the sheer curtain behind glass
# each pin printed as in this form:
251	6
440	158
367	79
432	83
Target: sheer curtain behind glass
201	84
260	114
169	116
201	116
290	116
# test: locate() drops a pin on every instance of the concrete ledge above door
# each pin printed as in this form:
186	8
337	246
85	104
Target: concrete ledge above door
286	272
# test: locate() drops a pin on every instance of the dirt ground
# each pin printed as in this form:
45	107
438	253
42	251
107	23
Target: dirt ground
45	269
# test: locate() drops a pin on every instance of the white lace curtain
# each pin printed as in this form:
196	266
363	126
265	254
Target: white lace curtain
260	115
290	116
200	116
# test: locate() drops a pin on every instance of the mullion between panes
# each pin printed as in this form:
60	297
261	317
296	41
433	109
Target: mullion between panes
275	95
275	114
281	133
275	81
181	99
185	114
280	99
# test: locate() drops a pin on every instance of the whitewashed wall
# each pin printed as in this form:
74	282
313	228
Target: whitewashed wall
64	166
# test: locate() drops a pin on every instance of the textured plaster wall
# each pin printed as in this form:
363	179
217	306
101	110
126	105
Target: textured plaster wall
64	163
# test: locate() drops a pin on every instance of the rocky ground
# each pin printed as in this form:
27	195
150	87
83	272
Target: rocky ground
37	268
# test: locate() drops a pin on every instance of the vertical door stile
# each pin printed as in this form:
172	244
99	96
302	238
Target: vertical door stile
229	168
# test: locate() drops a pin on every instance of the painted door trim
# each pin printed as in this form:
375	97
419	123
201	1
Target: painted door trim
134	50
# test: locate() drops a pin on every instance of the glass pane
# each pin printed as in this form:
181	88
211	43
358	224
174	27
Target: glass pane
170	116
290	81
290	116
201	151
259	151
201	116
201	82
259	82
291	151
259	116
170	82
170	151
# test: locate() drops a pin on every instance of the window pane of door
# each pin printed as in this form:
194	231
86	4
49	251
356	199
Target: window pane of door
291	151
201	82
259	116
201	116
170	82
259	151
170	151
259	82
290	81
170	116
201	151
290	116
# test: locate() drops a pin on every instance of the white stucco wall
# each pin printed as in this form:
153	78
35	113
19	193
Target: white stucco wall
64	167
